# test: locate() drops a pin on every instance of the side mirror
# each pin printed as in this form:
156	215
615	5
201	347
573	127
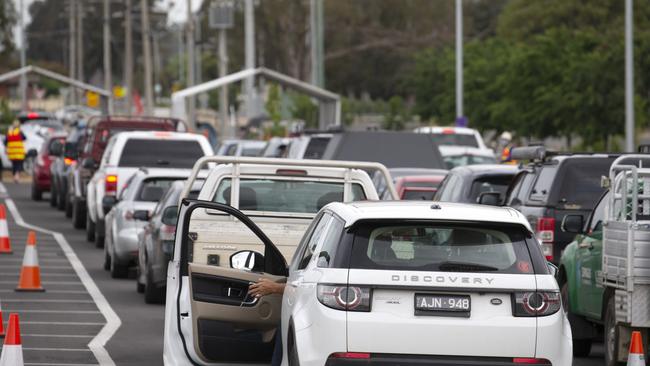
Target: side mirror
573	224
32	153
247	260
552	268
489	198
89	163
170	216
141	215
108	202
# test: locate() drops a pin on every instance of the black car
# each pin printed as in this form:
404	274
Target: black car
61	168
485	184
554	185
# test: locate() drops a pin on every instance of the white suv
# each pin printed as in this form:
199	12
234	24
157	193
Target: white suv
377	283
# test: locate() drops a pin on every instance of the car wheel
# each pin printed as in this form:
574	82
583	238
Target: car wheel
611	334
139	286
68	207
90	229
581	347
118	270
60	200
291	347
153	294
37	194
99	238
52	196
107	261
78	215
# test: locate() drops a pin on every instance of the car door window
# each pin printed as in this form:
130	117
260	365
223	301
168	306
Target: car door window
330	242
448	191
596	220
314	240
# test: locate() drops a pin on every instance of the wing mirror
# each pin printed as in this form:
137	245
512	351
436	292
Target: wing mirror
141	215
490	198
108	202
170	216
89	163
573	224
247	260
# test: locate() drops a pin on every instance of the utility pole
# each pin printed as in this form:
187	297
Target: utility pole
146	44
190	64
460	115
316	30
80	44
128	57
23	57
629	76
72	55
108	73
221	17
249	34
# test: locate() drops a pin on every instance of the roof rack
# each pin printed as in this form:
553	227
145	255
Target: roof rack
92	121
540	154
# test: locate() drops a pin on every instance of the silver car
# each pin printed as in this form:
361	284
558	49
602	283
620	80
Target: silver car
128	215
156	243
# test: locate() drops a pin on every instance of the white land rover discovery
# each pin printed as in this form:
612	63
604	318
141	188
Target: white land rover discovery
385	283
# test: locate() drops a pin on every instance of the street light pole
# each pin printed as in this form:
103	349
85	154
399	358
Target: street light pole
128	57
108	74
629	76
459	59
146	44
249	44
190	64
80	46
23	57
316	30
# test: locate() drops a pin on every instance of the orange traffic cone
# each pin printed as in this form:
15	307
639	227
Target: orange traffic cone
30	273
12	349
2	328
5	245
635	357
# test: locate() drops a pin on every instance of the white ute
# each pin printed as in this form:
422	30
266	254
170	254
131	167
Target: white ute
282	196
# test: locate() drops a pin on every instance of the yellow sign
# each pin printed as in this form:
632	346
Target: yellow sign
119	92
92	99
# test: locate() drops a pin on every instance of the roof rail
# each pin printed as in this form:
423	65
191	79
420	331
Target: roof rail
237	160
92	121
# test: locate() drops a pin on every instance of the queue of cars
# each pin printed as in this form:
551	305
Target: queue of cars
365	281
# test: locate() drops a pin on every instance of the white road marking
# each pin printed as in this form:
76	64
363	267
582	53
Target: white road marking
113	321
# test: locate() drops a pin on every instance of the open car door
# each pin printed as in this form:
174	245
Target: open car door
216	321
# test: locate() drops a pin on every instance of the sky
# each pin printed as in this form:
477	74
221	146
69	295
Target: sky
177	12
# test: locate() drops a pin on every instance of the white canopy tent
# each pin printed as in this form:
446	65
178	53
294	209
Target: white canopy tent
329	102
105	95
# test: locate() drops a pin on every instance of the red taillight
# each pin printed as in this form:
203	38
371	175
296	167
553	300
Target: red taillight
539	303
350	298
33	115
110	184
531	361
545	233
350	355
68	161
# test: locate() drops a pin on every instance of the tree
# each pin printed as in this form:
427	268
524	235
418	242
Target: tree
7	22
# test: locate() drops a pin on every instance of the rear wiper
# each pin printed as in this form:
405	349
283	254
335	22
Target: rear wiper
162	162
464	267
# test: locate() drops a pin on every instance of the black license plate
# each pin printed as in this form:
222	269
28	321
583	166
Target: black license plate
442	305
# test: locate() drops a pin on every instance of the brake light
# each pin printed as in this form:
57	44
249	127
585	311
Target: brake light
68	161
294	172
110	184
540	303
545	233
32	115
350	355
350	298
533	361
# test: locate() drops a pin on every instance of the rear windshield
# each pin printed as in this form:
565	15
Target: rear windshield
166	153
55	144
446	247
499	184
578	184
453	161
251	151
316	147
285	195
454	139
152	190
418	195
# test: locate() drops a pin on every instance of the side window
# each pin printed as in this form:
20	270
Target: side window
314	240
331	241
448	190
107	153
127	187
596	220
297	255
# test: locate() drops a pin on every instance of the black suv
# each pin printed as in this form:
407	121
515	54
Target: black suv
554	185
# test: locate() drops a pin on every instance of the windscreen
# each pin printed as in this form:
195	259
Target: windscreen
152	190
295	196
168	153
454	139
445	247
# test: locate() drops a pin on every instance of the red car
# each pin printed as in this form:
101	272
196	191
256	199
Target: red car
418	187
41	175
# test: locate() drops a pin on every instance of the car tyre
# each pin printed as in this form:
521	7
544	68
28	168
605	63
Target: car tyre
53	196
139	287
153	294
68	207
78	215
99	238
107	261
37	194
60	200
291	347
118	270
581	347
90	229
611	334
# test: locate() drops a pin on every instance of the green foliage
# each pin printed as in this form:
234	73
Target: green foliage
554	68
305	109
274	109
7	22
6	116
397	114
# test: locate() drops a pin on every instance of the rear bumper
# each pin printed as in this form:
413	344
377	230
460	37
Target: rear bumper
415	360
42	178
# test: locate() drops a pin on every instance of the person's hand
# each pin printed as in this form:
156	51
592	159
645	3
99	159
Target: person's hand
265	287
